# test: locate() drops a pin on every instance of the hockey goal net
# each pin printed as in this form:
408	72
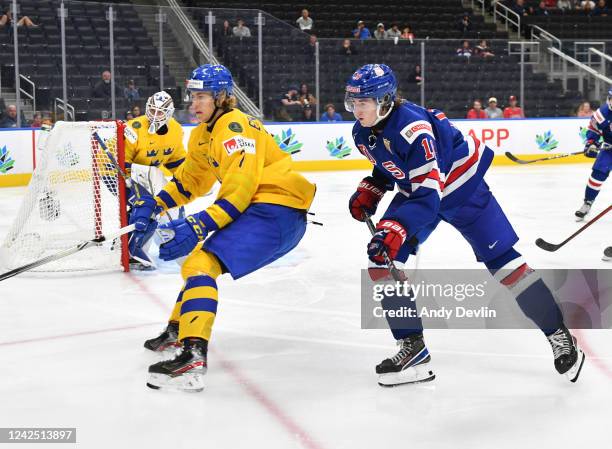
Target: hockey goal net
75	194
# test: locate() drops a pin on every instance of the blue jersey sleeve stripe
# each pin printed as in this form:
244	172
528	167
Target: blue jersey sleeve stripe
199	305
174	164
167	199
210	224
229	208
181	189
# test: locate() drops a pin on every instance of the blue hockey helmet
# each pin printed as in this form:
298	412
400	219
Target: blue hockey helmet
211	78
375	81
610	98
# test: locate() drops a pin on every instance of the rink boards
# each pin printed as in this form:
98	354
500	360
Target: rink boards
329	146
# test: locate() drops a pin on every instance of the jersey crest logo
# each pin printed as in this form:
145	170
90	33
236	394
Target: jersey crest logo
415	129
167	151
136	125
151	153
235	126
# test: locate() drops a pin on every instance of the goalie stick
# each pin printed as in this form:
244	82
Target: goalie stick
67	252
513	158
396	274
546	246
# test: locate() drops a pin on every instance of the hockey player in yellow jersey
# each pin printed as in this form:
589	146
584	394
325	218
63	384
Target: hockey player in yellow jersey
151	140
258	216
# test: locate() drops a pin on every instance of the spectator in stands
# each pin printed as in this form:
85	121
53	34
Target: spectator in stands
129	115
408	34
37	120
330	114
483	50
361	32
465	51
540	10
584	110
394	32
9	119
550	4
304	21
601	9
565	4
512	110
586	5
465	24
7	18
347	48
476	112
102	89
131	92
308	114
306	98
519	7
380	32
290	100
492	110
227	30
416	76
312	41
136	111
241	30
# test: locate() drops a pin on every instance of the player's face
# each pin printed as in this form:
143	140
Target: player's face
365	111
203	105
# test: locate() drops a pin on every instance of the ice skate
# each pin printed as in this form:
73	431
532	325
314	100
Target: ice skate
569	358
168	339
607	254
185	372
410	365
584	210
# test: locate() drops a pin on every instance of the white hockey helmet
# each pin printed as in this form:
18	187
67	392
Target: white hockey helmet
159	110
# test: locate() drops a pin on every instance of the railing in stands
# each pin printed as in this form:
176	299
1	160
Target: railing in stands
507	16
66	108
602	58
540	34
30	95
581	49
559	69
180	20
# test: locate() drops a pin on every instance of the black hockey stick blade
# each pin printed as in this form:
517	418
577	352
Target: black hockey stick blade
547	246
513	158
65	253
551	247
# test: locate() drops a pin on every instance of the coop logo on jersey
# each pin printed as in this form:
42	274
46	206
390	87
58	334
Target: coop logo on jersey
415	129
546	141
6	162
288	142
239	143
338	148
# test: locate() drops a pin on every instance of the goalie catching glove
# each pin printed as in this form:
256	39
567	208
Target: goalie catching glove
389	238
180	237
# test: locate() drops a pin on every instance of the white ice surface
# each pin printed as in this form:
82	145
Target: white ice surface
289	366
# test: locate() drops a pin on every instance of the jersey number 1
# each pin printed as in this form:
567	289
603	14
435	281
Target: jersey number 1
429	149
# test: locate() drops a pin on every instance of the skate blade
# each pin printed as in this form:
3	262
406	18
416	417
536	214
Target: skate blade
579	219
190	382
413	375
575	370
606	258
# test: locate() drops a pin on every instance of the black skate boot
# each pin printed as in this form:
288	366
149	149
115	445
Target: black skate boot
607	255
569	358
185	372
410	365
581	213
168	339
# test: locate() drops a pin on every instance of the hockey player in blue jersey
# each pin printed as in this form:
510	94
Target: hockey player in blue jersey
439	177
598	145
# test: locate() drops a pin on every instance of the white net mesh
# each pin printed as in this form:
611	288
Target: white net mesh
73	196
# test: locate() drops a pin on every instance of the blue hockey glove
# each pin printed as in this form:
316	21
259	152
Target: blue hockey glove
181	237
591	148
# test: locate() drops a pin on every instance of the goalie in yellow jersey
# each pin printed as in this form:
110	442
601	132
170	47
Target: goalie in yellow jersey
151	141
259	216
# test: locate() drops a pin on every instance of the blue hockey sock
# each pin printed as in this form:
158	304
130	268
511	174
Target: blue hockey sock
532	295
396	310
594	184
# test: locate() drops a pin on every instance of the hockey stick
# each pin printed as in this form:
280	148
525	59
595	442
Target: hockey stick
546	246
396	274
513	158
67	252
